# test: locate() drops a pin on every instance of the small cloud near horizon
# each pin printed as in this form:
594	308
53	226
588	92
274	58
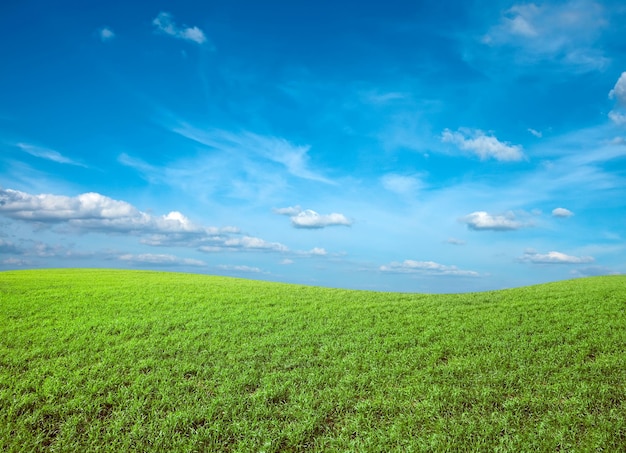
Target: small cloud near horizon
553	257
425	268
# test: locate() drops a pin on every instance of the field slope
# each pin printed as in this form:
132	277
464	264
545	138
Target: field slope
124	360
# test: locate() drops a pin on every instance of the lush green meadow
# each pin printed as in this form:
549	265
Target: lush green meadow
122	360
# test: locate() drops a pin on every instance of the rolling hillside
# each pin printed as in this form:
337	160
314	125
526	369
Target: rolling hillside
113	360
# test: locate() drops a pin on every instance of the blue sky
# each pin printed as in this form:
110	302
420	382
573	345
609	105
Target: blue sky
397	146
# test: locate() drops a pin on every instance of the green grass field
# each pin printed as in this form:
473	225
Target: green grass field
104	360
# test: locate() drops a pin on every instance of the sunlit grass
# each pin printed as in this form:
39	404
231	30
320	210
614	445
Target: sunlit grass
118	360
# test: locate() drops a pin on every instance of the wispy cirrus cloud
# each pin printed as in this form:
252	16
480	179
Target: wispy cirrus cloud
164	23
426	268
402	184
483	145
564	32
48	154
309	219
532	256
294	158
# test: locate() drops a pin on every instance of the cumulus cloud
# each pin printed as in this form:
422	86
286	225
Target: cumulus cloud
564	32
165	24
254	243
426	268
47	154
618	115
106	34
310	219
98	213
532	256
90	211
619	90
562	212
481	220
483	145
160	259
618	118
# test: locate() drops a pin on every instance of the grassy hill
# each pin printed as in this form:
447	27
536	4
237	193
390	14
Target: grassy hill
127	360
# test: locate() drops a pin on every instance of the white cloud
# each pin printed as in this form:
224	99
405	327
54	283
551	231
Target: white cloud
240	268
253	243
619	90
311	219
95	212
91	211
401	184
286	262
484	146
164	23
426	268
562	212
536	133
455	241
617	117
47	154
160	259
563	32
481	220
106	34
532	256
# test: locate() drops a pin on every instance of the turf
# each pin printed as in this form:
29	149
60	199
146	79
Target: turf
104	360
